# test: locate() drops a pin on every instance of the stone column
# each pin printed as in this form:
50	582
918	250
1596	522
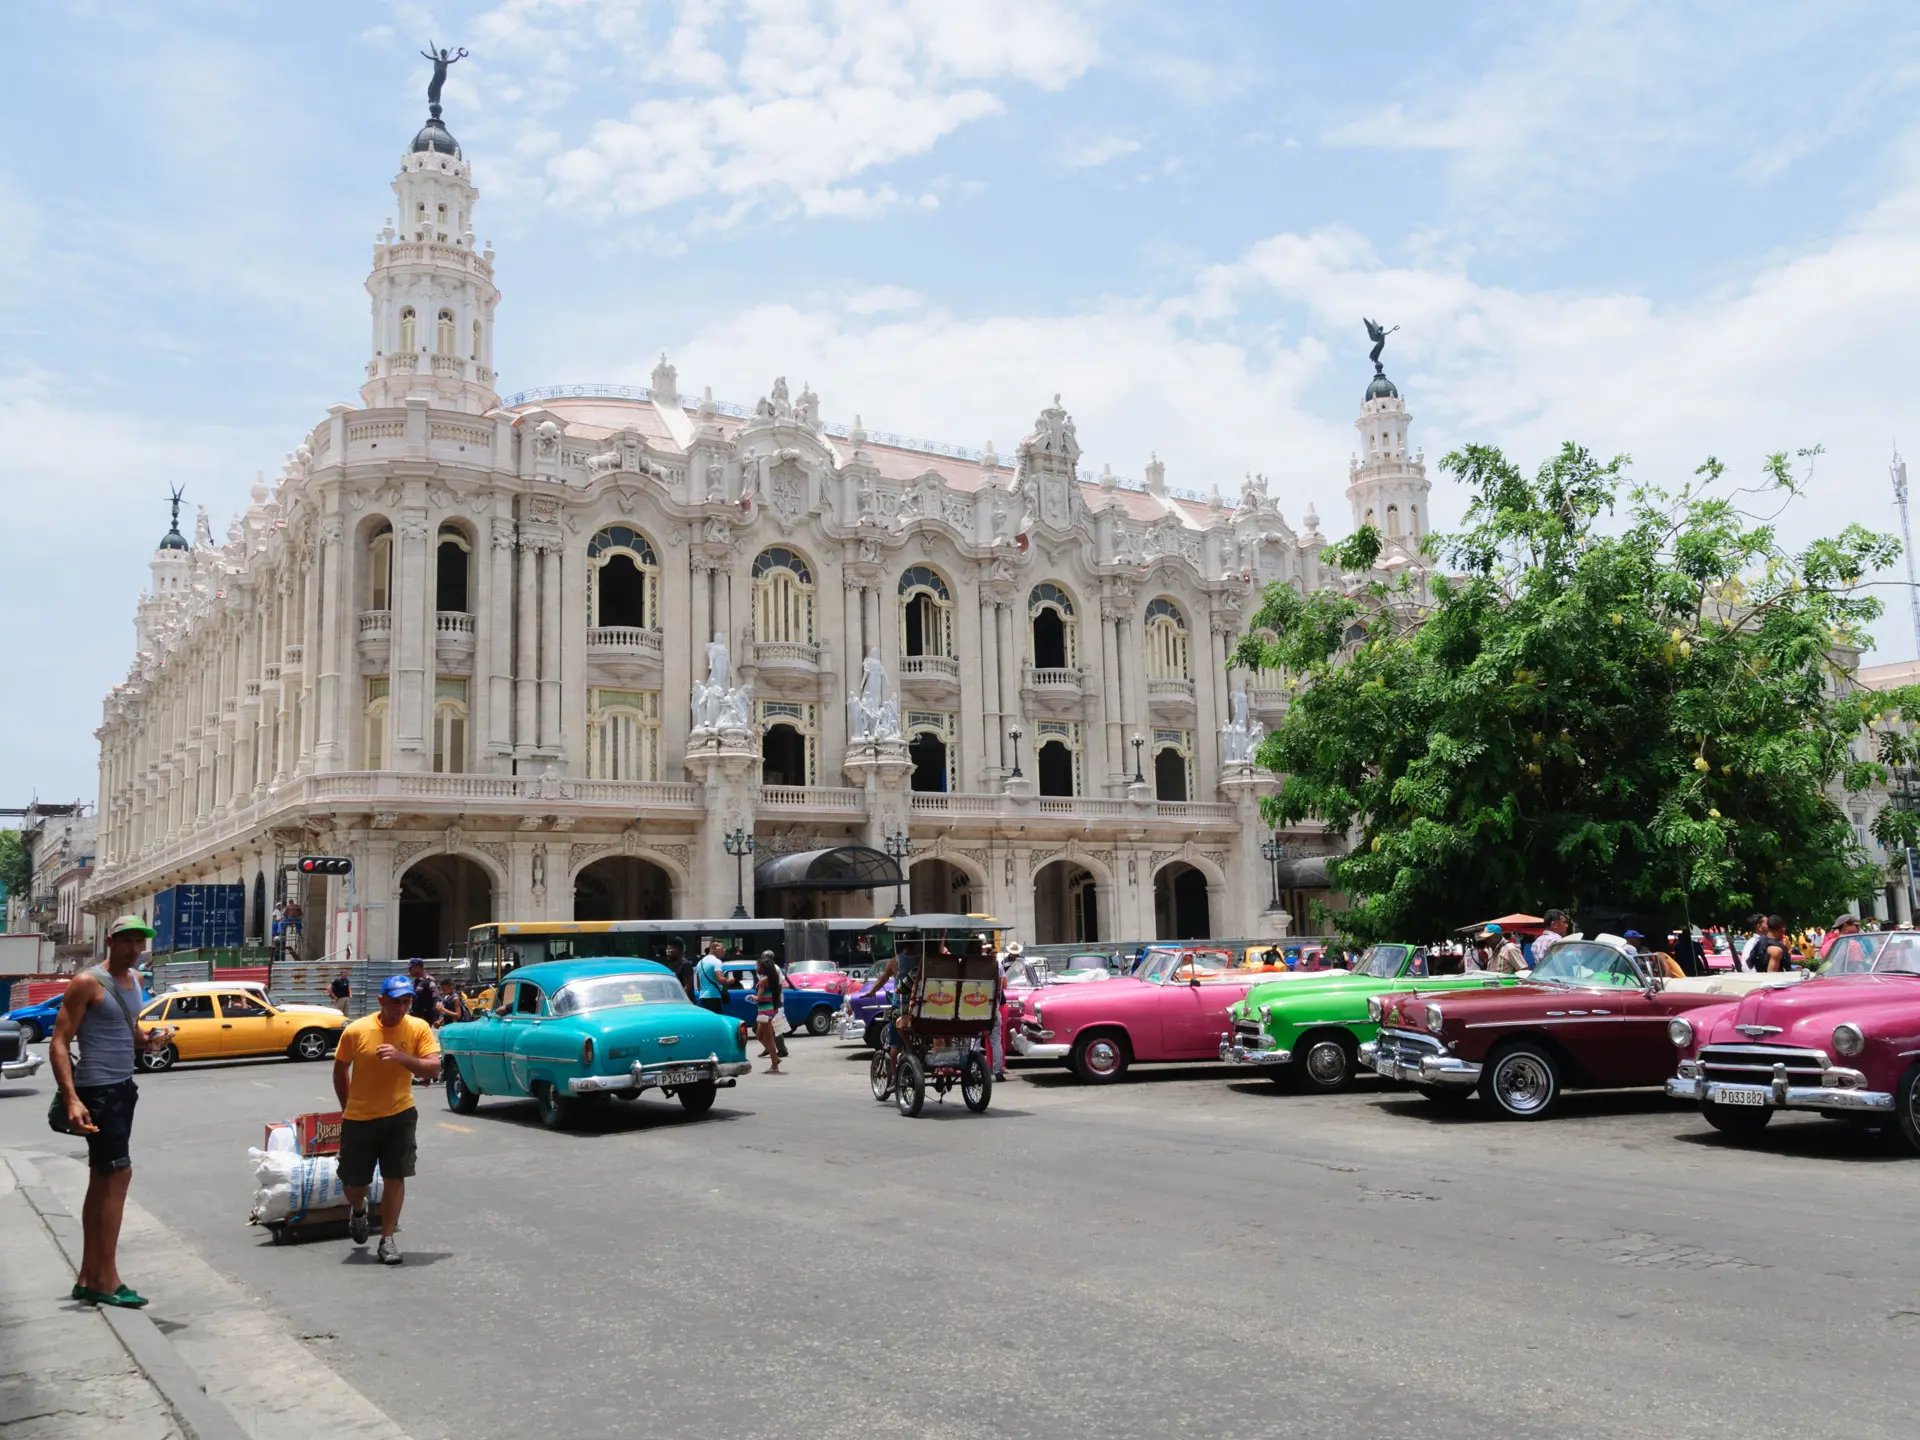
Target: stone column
411	705
570	737
284	736
983	670
1249	882
1010	708
336	644
526	670
727	772
498	657
1116	738
551	744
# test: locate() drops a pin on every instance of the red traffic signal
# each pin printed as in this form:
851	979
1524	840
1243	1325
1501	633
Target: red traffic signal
325	865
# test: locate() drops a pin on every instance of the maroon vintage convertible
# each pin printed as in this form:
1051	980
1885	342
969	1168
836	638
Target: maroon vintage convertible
1589	1018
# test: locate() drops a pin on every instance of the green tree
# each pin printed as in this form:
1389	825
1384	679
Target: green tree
16	867
1646	712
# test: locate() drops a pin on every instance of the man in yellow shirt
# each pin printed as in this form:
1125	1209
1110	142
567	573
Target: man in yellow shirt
373	1072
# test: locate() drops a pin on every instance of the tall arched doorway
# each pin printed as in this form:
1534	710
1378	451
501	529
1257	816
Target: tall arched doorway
1066	905
929	755
1180	909
939	886
623	887
783	756
1055	763
442	897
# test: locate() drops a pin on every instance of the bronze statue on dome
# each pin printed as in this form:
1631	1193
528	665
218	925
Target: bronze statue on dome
1374	333
441	59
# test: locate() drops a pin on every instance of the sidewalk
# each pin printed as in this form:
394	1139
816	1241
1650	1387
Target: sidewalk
68	1369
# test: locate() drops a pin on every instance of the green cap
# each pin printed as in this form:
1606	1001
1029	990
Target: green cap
129	925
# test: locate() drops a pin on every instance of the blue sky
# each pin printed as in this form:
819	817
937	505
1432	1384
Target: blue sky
1665	230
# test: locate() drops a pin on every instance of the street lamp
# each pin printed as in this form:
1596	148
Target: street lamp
1014	732
899	845
1138	741
739	845
1275	853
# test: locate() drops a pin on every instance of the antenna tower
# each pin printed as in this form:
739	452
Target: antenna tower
1899	469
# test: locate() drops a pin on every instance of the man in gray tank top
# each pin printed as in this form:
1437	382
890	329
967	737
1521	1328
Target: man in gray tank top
100	1011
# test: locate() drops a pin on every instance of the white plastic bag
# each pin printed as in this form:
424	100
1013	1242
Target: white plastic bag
291	1185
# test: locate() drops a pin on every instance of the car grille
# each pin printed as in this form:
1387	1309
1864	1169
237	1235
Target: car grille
12	1046
1249	1036
1753	1064
1404	1047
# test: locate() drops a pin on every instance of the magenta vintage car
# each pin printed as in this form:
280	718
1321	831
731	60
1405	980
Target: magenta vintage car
1845	1044
1172	1007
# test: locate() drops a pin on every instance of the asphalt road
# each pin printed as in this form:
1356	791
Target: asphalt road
1187	1253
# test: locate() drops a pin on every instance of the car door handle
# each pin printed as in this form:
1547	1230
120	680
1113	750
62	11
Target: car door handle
226	1027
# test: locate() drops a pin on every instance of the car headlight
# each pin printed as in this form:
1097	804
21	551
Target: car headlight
1848	1039
1266	1013
1038	1018
1680	1032
1373	1008
1433	1018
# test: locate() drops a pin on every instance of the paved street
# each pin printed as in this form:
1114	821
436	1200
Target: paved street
1182	1254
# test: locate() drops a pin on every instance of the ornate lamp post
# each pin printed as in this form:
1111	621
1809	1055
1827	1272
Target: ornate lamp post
1275	853
900	845
1014	732
1138	741
739	845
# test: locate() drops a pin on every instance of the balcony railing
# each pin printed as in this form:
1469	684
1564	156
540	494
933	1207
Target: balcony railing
624	638
376	624
449	365
786	652
1169	688
452	622
929	667
1055	677
816	797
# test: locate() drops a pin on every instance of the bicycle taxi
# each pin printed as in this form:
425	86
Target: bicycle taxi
946	1000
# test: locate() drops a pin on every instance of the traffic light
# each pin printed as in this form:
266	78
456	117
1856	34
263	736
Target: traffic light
325	865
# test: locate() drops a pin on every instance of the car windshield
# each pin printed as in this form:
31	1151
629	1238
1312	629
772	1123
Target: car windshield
1899	953
1183	965
1382	962
813	967
604	992
1587	962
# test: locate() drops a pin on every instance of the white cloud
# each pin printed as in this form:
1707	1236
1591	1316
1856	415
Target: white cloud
805	96
1087	152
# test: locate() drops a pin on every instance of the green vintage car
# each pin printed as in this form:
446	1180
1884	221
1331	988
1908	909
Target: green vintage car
1308	1032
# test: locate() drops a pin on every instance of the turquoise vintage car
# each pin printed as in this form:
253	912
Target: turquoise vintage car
1307	1032
569	1033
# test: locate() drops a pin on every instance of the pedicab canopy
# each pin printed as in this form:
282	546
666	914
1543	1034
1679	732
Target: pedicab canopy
1521	925
957	976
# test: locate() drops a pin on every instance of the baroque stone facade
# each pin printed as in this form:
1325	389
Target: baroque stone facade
467	641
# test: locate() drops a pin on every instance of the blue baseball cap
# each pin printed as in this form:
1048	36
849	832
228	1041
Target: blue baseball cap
397	987
1494	930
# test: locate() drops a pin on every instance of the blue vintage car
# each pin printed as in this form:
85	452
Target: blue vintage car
803	1008
36	1021
568	1033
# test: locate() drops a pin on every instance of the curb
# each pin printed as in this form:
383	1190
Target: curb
200	1415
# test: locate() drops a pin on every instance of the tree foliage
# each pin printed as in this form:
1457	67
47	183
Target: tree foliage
16	866
1648	710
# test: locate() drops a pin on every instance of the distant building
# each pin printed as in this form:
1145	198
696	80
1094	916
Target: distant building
466	641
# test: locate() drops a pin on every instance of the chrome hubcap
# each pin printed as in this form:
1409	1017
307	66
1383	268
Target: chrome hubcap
1523	1083
1103	1055
1327	1062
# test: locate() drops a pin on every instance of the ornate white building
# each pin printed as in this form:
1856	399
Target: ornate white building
468	642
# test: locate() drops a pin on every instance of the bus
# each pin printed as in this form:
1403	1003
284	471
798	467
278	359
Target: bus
853	945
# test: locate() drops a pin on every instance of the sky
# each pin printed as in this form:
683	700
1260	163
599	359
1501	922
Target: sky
1670	231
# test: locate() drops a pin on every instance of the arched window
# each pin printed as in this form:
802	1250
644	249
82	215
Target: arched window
443	334
406	330
375	727
782	598
1369	519
476	340
930	748
380	569
451	566
624	580
1057	756
449	726
1413	521
1393	522
926	613
1166	641
623	734
1051	626
789	742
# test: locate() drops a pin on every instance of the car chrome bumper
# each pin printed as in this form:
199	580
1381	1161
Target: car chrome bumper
1262	1052
1779	1096
649	1077
1039	1049
23	1068
1427	1070
852	1027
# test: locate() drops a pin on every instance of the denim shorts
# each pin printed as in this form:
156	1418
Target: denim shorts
111	1109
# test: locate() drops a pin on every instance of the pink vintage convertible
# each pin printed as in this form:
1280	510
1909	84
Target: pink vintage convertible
1172	1007
1845	1044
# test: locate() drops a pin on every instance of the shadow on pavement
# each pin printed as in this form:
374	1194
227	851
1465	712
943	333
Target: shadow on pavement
364	1255
1815	1139
1575	1106
617	1118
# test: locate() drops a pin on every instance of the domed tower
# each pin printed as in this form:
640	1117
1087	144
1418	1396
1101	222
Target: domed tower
433	296
1386	483
171	572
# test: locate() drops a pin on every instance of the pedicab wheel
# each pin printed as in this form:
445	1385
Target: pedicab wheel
462	1098
880	1076
909	1086
279	1233
976	1083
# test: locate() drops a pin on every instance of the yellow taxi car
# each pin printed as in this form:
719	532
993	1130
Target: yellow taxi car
219	1022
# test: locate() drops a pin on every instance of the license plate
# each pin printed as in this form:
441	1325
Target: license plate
685	1075
1739	1097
